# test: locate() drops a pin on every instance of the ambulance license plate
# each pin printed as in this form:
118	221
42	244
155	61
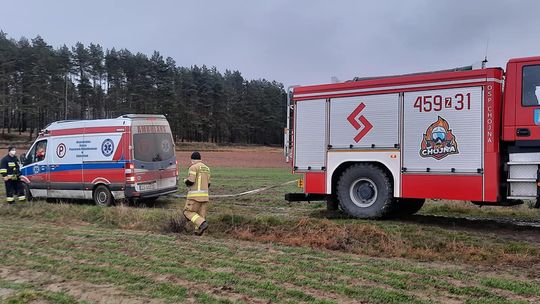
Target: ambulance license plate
148	186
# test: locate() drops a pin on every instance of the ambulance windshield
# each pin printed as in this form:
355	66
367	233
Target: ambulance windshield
153	147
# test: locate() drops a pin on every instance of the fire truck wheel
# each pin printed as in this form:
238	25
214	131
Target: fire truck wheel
365	191
407	206
102	196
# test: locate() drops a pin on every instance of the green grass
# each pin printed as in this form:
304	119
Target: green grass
225	271
467	209
261	248
21	293
374	238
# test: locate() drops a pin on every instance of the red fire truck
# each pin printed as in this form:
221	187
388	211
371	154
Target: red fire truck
381	146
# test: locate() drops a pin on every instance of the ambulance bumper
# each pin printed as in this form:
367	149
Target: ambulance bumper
131	193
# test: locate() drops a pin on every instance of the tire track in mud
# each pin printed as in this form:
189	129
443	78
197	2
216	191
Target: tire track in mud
516	229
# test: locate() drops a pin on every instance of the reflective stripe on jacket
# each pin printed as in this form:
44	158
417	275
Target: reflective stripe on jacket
199	175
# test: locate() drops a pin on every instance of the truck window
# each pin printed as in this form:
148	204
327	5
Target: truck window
37	153
153	147
530	90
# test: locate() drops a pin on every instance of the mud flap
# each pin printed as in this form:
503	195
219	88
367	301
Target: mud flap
537	204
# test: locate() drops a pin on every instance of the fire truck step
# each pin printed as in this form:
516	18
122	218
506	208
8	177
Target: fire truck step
522	180
522	197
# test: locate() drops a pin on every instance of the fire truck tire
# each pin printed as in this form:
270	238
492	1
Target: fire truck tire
102	196
365	191
27	192
407	206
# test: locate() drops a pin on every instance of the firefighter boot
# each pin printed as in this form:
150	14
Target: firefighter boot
202	228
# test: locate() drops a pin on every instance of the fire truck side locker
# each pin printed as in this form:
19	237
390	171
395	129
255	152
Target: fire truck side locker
434	135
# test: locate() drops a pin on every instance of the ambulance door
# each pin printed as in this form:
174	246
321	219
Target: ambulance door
154	157
166	157
100	155
35	168
65	178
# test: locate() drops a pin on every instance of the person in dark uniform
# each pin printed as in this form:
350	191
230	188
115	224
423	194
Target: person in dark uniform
11	172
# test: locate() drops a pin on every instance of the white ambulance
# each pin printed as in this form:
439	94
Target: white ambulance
129	157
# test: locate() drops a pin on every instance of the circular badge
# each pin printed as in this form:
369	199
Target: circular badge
107	147
61	150
165	146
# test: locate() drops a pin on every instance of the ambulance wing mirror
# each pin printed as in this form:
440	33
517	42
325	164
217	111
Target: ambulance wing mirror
23	159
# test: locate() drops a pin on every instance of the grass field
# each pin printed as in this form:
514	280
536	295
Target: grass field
260	249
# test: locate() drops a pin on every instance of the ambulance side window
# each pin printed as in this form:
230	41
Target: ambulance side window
530	90
37	153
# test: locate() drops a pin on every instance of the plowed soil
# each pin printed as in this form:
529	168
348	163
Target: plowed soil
238	159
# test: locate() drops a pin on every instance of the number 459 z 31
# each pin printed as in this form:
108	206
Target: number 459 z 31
437	103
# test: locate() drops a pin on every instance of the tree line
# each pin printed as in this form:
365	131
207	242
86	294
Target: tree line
40	84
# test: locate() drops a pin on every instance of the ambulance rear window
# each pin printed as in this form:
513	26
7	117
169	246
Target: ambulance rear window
153	147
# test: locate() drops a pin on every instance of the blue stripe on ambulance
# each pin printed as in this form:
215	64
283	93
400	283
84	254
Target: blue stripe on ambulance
39	169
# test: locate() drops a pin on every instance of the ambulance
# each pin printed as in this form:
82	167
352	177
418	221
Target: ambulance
130	157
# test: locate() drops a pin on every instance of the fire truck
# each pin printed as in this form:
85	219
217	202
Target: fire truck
381	146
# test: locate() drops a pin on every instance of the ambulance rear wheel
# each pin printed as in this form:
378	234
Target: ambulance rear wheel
102	196
365	191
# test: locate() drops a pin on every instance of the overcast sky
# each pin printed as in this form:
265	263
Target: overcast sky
293	42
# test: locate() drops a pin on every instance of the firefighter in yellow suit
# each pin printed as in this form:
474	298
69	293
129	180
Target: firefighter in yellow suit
198	182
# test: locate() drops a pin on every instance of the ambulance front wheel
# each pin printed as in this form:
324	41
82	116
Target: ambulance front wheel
365	191
27	192
102	196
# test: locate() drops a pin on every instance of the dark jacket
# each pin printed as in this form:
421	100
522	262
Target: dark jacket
10	166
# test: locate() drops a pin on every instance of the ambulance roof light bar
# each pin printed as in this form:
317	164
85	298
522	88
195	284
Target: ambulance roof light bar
142	116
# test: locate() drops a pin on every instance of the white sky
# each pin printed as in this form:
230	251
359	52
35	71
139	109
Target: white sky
293	42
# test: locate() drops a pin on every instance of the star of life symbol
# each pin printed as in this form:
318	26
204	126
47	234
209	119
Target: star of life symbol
107	147
357	122
165	146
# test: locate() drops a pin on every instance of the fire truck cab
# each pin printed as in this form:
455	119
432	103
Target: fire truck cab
381	146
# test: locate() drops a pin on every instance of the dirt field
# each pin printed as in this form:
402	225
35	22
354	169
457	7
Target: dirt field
261	249
264	158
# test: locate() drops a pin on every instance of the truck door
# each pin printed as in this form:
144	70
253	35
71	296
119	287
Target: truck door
522	100
528	111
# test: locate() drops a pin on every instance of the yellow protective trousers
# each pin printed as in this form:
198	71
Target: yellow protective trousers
195	211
